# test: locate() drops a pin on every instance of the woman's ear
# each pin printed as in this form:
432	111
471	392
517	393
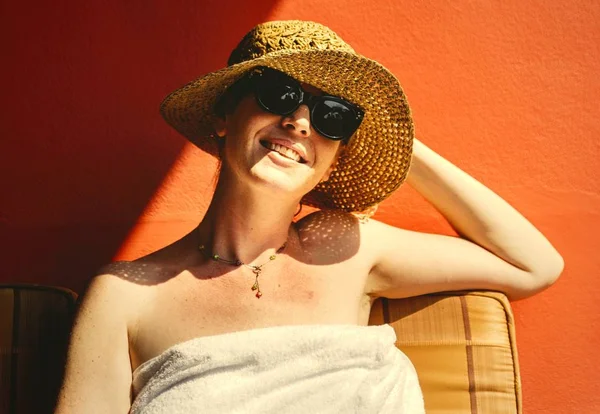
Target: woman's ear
329	170
220	127
328	173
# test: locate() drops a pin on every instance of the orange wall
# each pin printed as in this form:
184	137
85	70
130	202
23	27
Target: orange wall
506	90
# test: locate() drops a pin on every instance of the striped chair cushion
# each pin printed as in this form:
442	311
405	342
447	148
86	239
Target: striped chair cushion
463	347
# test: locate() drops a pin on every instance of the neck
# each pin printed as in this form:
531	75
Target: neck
246	224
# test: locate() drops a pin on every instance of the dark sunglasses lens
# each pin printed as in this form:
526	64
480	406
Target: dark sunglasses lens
334	119
278	96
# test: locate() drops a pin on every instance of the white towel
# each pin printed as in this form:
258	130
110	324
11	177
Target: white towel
282	369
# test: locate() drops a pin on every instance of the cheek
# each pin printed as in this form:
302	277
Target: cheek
246	120
329	150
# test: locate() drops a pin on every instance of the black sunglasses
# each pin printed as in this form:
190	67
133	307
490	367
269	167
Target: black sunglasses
331	116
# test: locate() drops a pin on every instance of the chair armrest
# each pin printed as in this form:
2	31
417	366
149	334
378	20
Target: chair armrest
463	347
35	322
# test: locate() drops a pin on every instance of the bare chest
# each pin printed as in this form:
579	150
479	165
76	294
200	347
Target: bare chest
192	305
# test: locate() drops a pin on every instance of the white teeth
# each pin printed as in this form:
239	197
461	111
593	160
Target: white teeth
286	152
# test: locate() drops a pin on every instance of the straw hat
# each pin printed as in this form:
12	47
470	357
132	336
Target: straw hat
377	157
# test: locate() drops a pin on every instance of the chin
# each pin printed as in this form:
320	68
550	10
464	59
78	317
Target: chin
283	182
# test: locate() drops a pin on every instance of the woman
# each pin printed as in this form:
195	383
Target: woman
296	118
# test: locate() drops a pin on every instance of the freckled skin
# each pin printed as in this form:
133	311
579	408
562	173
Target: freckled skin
318	278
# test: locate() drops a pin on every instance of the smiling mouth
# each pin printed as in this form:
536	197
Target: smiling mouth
283	151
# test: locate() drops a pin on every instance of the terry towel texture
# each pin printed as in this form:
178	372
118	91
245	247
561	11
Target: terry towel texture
281	369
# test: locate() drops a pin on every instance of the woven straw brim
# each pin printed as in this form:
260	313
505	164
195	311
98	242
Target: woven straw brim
375	161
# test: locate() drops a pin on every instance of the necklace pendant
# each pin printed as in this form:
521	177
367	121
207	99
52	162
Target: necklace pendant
256	269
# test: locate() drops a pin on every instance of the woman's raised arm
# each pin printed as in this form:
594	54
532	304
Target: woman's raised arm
499	249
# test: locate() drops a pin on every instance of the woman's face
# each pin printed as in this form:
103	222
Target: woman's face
283	152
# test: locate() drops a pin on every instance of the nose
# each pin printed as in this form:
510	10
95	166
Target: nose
298	121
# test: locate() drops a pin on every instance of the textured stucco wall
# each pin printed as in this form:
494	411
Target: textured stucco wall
505	90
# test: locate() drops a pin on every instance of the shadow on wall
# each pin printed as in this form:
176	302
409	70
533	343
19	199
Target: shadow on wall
84	148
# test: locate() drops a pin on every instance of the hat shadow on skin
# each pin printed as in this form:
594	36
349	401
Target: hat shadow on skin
324	238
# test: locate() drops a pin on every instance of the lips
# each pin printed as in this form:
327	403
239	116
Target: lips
294	154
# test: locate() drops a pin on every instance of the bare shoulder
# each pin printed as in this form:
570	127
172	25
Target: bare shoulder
329	227
109	288
120	289
115	290
343	230
329	219
137	273
98	370
336	235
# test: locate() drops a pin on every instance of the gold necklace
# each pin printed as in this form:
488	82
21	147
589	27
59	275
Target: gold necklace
256	269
